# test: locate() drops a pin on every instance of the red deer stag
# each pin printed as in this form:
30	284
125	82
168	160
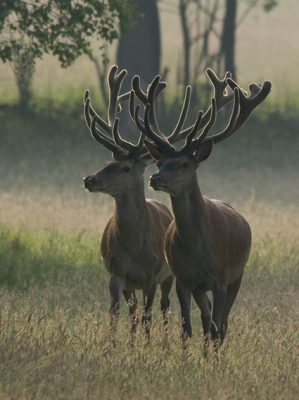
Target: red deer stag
132	245
208	243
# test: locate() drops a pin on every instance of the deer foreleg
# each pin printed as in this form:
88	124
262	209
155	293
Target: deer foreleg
131	299
184	296
232	291
204	305
165	302
148	299
116	285
219	297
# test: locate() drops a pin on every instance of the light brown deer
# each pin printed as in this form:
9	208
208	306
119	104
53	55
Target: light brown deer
208	243
133	240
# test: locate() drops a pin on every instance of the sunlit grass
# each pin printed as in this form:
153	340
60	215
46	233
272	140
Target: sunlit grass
54	323
34	257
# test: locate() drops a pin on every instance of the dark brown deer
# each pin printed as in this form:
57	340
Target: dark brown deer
208	243
132	245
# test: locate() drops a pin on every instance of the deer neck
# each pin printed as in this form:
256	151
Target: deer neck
189	214
131	216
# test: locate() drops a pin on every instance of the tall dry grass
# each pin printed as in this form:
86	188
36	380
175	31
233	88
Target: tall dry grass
54	325
54	335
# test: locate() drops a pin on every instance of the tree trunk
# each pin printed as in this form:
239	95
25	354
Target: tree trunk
23	68
228	40
139	50
186	39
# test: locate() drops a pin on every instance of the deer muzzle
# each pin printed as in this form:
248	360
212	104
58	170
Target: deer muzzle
157	182
89	182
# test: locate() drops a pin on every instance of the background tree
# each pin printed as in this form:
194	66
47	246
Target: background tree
228	38
139	49
205	22
64	28
230	25
139	52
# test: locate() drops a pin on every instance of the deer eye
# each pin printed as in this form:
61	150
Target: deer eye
126	169
185	164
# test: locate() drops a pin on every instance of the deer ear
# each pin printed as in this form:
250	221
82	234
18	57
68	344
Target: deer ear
204	150
154	151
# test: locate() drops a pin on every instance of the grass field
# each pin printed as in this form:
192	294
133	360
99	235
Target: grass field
54	322
54	336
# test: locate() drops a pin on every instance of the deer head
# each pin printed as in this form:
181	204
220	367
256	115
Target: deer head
177	167
129	161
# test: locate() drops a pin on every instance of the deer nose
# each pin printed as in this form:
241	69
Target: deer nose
88	181
155	179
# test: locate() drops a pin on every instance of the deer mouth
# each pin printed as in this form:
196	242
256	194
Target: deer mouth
158	185
91	190
91	185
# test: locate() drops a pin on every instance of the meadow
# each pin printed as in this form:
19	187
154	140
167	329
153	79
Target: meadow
54	300
54	323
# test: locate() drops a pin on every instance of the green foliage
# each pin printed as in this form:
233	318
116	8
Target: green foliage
64	28
269	5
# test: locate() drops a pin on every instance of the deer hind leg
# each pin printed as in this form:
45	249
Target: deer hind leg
184	296
131	299
116	285
165	286
205	306
232	291
219	300
148	300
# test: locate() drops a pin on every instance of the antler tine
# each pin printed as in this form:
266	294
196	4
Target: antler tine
151	99
222	99
114	82
161	86
153	91
176	136
257	93
192	145
161	141
189	138
104	140
86	95
138	91
254	89
86	109
247	105
132	105
132	149
143	97
90	112
138	120
220	85
230	129
209	125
